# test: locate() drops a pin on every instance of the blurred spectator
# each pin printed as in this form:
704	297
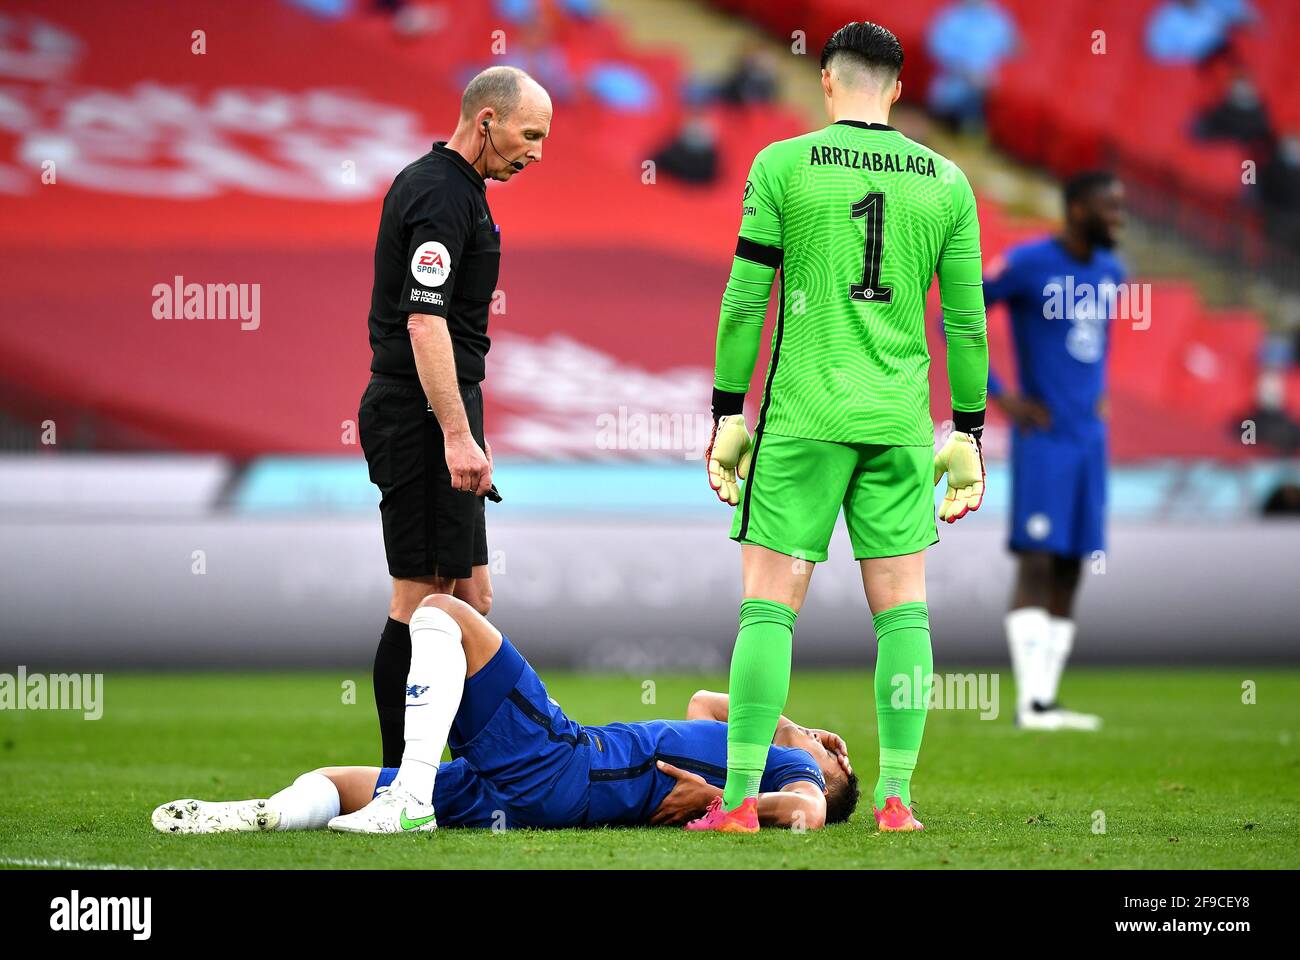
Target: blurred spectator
1279	192
1235	13
1194	31
692	155
1239	116
328	8
621	86
968	41
535	50
524	11
752	80
1279	178
1284	501
413	20
1273	426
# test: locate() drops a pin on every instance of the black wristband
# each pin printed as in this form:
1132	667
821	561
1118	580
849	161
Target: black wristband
726	403
972	422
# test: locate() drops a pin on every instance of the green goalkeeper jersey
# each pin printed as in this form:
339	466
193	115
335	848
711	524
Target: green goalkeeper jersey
858	218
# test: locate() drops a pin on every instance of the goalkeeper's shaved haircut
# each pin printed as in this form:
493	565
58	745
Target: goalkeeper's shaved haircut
862	54
497	87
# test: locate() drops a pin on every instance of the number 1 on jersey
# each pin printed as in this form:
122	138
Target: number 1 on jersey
871	207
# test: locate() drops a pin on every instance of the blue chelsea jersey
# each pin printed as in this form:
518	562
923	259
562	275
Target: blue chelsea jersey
1061	311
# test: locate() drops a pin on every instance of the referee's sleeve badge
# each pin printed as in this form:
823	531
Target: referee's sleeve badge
431	264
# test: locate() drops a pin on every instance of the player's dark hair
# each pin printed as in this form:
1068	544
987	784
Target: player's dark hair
842	796
1081	186
867	46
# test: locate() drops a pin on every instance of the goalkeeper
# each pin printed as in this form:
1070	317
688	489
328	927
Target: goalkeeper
858	218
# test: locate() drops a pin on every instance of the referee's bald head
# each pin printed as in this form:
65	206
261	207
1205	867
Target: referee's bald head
500	88
504	116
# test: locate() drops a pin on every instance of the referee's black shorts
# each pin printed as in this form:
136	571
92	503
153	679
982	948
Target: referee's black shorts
429	528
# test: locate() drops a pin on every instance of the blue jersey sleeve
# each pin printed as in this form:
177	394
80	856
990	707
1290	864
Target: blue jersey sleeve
1120	269
785	765
996	387
1004	280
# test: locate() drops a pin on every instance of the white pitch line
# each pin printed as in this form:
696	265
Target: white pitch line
63	864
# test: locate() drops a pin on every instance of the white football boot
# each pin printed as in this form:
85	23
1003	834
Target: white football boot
1078	721
393	811
206	816
1053	717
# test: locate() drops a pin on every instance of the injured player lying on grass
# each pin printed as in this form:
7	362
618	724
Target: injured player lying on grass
519	761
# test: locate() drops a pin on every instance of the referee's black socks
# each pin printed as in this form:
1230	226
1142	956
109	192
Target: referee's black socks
392	664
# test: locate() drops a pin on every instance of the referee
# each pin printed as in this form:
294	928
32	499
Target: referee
421	417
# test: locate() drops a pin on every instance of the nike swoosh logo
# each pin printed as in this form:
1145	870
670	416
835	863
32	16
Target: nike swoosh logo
408	824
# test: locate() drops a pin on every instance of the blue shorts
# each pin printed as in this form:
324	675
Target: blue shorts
1058	492
532	759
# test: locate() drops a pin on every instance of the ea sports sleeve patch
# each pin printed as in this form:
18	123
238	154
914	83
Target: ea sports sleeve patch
430	276
441	229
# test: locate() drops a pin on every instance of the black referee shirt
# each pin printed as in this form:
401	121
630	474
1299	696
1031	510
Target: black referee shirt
439	253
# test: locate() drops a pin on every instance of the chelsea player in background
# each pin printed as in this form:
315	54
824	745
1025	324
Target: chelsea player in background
1061	293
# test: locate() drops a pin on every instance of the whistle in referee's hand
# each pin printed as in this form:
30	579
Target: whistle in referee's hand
492	494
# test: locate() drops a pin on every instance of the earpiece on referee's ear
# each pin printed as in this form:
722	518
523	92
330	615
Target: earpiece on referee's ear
485	124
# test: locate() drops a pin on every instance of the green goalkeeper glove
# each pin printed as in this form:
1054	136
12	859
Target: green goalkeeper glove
962	460
728	456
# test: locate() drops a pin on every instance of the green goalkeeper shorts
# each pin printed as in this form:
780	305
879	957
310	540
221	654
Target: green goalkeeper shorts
796	487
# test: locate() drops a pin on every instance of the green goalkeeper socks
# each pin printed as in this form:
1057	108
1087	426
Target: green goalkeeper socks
904	663
760	681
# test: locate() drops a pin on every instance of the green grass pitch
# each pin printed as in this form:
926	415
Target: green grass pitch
1185	774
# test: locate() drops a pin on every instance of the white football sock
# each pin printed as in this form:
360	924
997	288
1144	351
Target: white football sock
1060	643
309	803
434	687
1028	634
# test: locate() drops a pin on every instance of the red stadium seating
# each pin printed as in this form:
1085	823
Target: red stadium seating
596	260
